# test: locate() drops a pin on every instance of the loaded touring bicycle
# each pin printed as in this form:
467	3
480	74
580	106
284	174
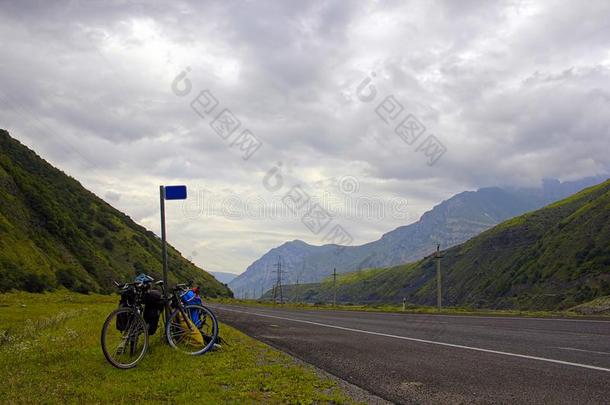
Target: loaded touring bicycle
190	327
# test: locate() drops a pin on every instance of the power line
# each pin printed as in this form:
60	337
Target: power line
492	248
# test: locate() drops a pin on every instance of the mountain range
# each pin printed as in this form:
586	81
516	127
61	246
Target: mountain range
55	233
553	258
450	223
223	277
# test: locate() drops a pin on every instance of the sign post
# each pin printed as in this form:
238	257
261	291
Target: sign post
167	193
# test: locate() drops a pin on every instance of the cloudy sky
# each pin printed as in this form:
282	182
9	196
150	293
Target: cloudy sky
124	97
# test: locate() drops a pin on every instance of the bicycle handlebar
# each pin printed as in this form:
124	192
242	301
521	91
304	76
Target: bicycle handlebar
123	286
178	286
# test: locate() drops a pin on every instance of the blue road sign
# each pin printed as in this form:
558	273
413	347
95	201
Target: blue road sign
175	192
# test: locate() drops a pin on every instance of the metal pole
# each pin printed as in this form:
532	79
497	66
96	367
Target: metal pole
438	278
279	275
164	247
335	287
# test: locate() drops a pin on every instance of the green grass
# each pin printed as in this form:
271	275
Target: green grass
550	260
599	306
50	353
54	233
415	309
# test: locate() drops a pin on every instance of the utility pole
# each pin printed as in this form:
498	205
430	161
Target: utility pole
335	287
302	273
439	299
296	291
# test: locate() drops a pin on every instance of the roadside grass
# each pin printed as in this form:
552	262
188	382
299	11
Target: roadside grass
412	309
50	353
599	306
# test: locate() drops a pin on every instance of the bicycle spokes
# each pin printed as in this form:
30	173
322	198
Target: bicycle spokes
191	329
124	345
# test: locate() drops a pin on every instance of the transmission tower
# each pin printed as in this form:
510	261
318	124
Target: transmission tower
277	291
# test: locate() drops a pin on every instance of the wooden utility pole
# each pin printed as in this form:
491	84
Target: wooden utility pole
296	291
335	287
439	299
302	277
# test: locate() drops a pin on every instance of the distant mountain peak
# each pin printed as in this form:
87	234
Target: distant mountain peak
552	258
449	223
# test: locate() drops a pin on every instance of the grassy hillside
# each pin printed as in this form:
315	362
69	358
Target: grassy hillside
53	232
449	223
550	259
50	353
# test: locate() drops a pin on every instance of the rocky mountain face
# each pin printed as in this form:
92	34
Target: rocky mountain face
450	223
553	258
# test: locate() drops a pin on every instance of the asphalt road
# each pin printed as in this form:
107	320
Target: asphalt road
443	359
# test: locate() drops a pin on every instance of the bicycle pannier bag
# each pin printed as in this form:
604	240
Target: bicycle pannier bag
153	305
193	297
122	319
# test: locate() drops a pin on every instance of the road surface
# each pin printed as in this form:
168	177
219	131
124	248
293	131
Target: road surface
434	359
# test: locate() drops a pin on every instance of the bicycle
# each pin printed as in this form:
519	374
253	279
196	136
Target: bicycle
190	328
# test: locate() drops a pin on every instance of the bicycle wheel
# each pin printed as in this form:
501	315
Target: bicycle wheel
192	329
213	315
124	338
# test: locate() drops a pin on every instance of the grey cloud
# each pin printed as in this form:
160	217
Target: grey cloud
517	91
112	196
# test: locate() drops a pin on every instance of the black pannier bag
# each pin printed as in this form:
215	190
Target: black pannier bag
122	319
153	305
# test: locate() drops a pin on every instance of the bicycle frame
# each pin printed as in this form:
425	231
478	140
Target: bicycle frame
168	300
135	297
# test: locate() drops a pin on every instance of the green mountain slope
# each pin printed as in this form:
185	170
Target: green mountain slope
449	223
54	232
552	258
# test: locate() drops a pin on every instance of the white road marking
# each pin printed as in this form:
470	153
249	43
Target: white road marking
582	350
478	349
466	316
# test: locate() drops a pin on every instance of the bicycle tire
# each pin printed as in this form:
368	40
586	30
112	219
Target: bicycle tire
137	326
174	330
